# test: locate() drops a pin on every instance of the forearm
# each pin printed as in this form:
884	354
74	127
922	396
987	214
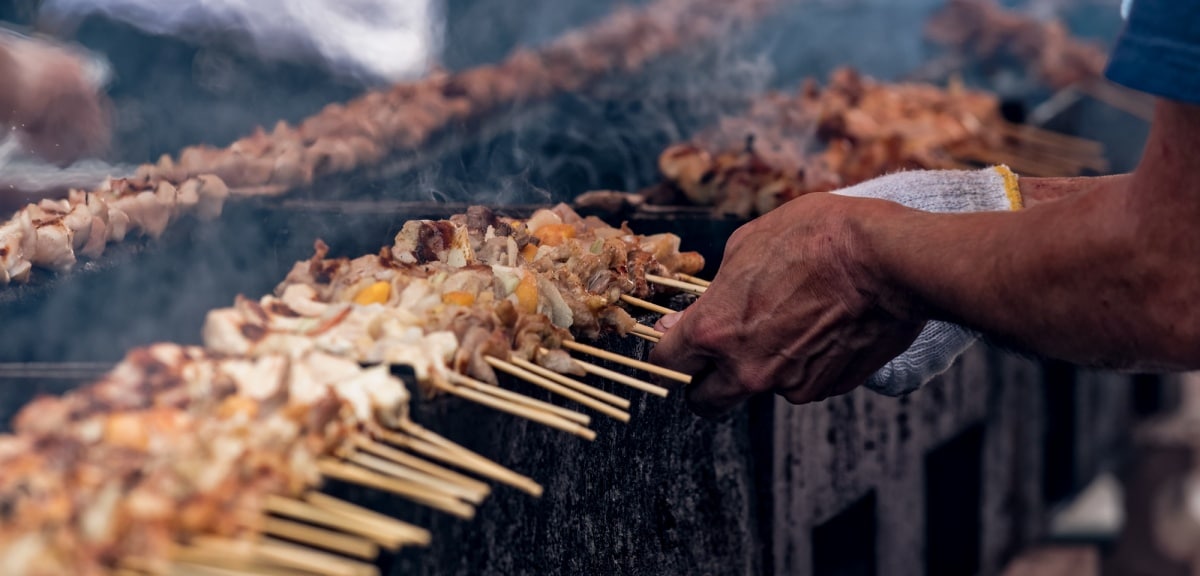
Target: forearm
1036	191
1105	275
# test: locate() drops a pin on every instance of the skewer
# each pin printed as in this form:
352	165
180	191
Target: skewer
269	556
645	304
321	538
693	279
422	434
1051	138
486	388
647	331
369	519
405	459
592	391
293	556
190	569
1126	101
645	337
630	362
621	378
525	412
357	475
399	471
677	284
300	510
422	442
514	370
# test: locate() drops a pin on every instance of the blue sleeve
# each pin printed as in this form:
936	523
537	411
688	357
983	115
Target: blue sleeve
1159	50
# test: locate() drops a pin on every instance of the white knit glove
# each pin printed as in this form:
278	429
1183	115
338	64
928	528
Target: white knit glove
940	343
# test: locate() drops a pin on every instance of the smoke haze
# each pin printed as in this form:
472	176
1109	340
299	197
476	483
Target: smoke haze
373	40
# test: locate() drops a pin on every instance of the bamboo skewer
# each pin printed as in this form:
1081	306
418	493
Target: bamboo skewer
677	284
539	416
693	279
645	304
572	383
461	458
647	331
405	459
370	519
517	371
357	475
402	472
190	569
1120	98
1027	132
290	555
645	337
463	380
437	441
390	539
321	538
270	556
620	378
630	362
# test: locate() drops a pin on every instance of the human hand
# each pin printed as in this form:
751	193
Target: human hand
794	309
51	98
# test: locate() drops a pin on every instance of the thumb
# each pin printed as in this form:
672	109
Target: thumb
677	349
667	321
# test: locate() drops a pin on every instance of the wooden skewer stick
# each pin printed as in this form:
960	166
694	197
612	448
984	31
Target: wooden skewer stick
645	337
270	556
402	472
645	304
458	456
463	380
514	370
321	538
415	492
647	331
301	510
405	459
1127	101
693	279
626	361
677	284
370	519
293	556
1028	132
620	378
190	569
539	416
572	383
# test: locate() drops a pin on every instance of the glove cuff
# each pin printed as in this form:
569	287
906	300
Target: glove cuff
985	190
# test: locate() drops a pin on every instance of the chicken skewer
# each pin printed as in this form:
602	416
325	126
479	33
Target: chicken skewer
821	139
55	235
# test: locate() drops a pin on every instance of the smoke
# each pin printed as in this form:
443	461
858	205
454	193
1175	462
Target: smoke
25	173
371	40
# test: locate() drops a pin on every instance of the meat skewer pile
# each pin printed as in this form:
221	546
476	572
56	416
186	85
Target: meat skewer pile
187	458
824	138
361	133
984	30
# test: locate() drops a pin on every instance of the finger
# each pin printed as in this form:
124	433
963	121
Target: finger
668	321
713	393
677	350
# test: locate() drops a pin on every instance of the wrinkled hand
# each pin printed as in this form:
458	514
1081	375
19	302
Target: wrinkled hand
47	96
794	309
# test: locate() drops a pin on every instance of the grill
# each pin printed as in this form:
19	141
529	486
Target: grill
953	479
